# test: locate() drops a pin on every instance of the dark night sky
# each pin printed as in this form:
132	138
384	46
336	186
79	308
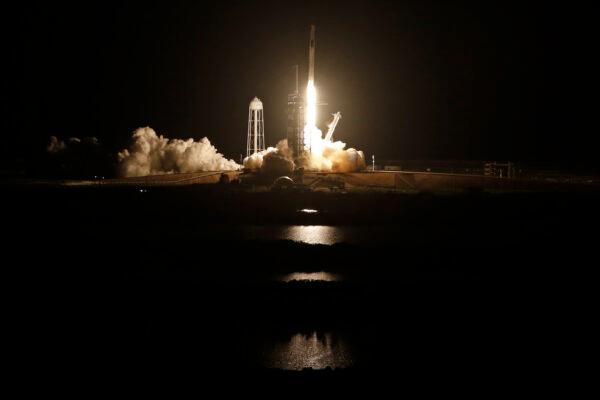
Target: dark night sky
413	80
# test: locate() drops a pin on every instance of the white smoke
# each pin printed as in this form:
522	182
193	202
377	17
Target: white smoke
150	154
274	159
325	156
334	157
255	161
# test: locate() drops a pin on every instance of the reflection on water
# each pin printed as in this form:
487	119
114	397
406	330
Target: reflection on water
311	276
316	351
314	234
311	234
324	234
308	211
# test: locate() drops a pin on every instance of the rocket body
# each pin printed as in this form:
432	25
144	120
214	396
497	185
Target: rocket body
311	55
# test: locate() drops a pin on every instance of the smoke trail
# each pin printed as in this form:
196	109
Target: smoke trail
150	154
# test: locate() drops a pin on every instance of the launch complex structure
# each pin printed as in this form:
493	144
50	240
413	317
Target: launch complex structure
295	120
302	134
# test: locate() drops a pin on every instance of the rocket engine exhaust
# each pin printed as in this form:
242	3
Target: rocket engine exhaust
306	147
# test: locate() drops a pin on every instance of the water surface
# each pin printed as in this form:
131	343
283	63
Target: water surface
313	350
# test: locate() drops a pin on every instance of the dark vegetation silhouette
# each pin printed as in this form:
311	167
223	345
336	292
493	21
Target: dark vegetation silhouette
77	159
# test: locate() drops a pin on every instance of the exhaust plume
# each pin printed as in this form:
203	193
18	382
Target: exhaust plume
333	157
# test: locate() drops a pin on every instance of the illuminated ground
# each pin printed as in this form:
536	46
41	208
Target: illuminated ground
159	180
405	181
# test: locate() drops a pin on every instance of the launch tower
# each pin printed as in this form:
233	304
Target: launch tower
295	122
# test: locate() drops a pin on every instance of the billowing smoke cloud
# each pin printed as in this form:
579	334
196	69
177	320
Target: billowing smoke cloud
334	157
279	162
150	154
274	160
326	156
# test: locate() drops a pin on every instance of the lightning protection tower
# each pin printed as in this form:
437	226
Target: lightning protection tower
256	128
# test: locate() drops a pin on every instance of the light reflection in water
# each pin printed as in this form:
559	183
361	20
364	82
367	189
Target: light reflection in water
314	234
316	351
308	211
311	276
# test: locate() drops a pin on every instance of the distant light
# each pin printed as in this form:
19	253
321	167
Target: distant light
308	211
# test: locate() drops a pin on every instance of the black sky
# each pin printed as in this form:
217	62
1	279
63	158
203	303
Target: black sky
413	80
